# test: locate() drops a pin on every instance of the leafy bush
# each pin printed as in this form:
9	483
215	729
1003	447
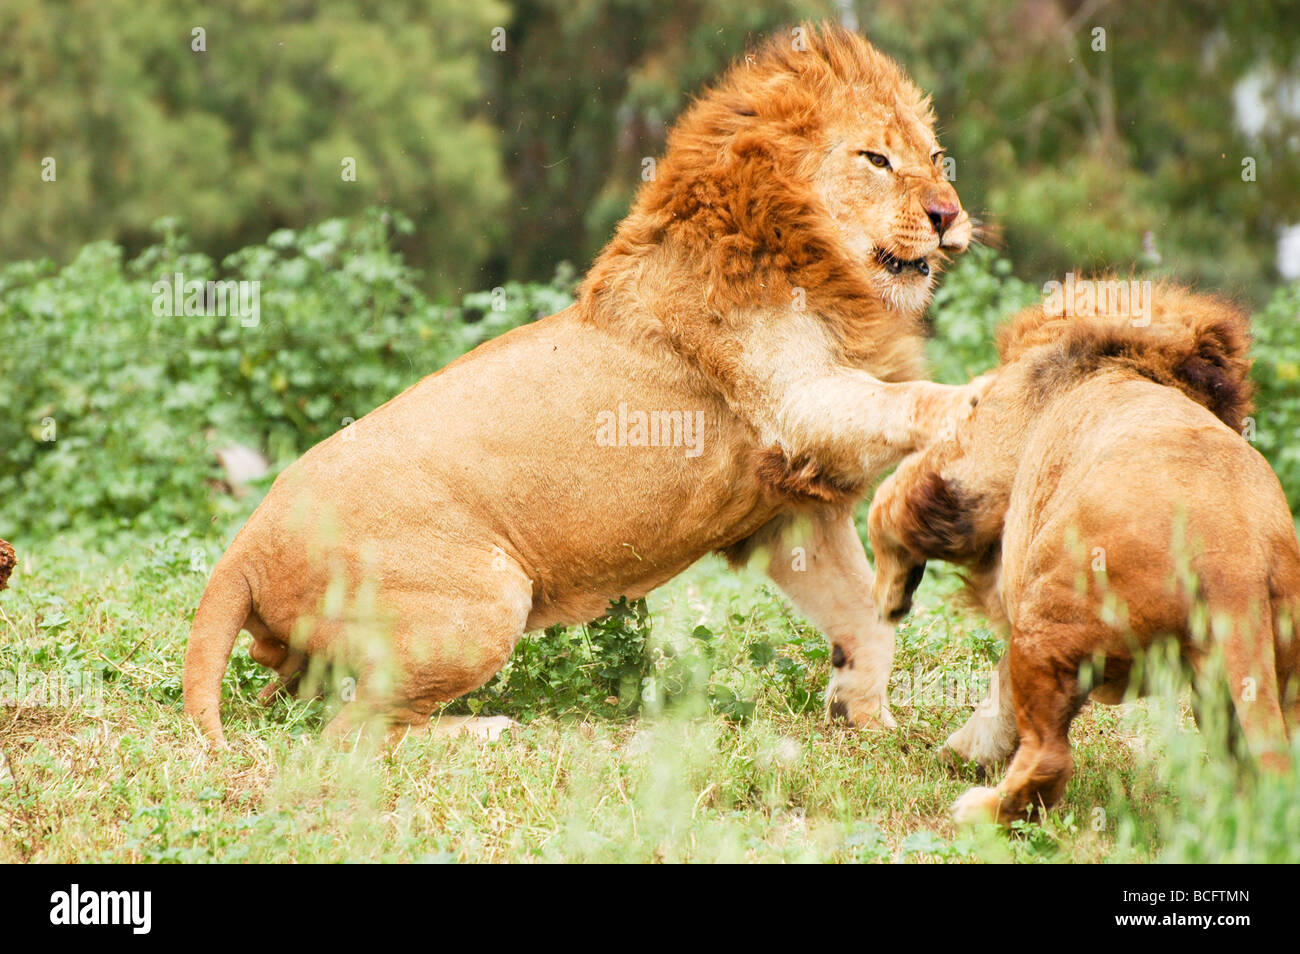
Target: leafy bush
115	411
976	296
595	669
1277	374
623	664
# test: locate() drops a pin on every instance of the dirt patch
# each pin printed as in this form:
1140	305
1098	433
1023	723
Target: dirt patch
21	725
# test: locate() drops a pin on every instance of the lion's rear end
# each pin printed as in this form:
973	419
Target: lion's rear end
1188	532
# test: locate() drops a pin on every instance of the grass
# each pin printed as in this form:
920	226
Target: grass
129	780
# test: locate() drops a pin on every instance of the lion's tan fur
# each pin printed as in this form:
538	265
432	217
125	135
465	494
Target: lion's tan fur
1098	495
769	282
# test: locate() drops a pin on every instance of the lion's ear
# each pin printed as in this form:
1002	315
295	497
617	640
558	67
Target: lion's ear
1205	347
1215	364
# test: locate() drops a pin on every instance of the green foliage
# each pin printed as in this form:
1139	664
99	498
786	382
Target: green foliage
1276	372
592	670
977	294
120	409
252	131
622	665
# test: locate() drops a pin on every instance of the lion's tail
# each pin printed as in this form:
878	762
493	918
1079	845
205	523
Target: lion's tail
222	612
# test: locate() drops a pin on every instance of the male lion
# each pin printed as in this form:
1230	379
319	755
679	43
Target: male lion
741	353
1101	497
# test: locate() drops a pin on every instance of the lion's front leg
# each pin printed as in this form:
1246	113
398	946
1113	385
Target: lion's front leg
898	570
818	561
859	426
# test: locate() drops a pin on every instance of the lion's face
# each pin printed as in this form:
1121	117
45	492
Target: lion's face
882	181
809	175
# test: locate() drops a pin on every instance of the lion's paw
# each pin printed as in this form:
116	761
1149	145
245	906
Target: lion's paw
978	806
864	713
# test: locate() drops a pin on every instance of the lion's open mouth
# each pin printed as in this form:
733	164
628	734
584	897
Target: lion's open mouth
896	265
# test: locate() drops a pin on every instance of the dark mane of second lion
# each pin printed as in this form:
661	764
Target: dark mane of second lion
1208	360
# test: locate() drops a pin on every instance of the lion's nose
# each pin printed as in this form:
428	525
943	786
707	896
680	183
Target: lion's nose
942	214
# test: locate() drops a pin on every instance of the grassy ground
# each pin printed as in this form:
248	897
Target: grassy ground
128	780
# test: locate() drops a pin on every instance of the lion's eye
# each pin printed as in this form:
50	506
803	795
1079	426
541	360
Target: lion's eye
937	157
876	159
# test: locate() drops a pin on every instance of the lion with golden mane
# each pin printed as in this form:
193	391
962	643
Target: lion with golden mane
741	359
1101	499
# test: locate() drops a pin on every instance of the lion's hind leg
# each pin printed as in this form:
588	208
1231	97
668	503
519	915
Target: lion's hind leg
443	644
1046	696
1250	663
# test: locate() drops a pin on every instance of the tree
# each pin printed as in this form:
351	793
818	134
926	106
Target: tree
244	117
